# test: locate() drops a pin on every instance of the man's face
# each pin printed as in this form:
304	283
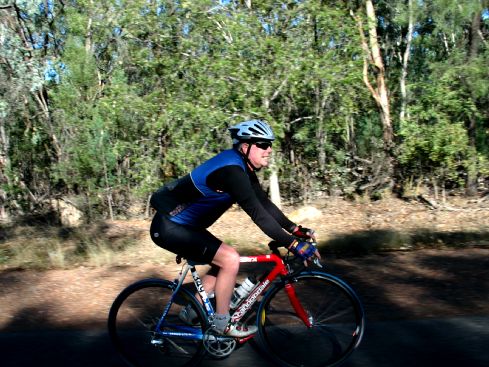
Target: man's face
260	153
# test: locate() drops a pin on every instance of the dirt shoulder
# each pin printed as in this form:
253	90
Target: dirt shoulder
450	278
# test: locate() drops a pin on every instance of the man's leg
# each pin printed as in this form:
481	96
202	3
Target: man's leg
227	259
209	280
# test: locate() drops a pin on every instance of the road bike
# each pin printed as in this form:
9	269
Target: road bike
305	317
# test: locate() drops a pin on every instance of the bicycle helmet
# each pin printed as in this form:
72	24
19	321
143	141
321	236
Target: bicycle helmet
251	130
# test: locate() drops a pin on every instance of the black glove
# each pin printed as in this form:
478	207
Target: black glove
303	232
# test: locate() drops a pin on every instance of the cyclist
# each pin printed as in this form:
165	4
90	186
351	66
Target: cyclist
190	204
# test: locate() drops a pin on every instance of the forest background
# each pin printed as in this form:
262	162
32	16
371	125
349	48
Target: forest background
101	102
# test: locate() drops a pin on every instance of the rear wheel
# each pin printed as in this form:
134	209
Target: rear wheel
133	319
336	314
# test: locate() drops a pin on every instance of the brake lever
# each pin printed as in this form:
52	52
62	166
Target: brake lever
316	262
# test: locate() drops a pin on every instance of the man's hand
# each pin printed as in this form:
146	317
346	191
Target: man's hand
305	250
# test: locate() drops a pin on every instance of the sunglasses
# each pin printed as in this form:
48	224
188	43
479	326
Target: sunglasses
264	144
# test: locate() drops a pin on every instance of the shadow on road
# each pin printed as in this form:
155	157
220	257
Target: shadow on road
425	308
423	343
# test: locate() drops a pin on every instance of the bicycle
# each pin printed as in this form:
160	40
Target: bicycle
305	318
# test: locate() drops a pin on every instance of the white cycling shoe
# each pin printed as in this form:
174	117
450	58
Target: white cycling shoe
240	330
188	315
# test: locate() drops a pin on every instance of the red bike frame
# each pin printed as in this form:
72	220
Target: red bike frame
278	269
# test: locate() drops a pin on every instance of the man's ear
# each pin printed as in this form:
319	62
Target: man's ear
244	147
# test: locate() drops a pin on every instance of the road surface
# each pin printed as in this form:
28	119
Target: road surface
461	342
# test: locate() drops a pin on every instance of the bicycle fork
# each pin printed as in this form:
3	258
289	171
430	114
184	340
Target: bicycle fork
296	304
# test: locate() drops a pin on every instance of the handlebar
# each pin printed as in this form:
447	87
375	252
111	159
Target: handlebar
274	246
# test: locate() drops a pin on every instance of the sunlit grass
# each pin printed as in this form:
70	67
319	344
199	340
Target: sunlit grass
101	244
50	247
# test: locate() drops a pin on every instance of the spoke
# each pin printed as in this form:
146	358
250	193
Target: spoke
322	317
330	304
325	329
334	330
134	322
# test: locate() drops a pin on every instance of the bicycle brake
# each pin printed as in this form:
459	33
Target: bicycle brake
316	262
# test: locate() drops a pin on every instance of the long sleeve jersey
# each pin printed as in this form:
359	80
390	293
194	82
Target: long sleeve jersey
201	197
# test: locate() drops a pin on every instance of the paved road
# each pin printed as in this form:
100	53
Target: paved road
461	342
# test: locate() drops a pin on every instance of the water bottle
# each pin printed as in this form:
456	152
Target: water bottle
242	291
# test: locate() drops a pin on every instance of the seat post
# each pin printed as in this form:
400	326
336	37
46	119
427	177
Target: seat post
183	274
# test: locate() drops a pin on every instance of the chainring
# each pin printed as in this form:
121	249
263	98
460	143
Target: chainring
219	346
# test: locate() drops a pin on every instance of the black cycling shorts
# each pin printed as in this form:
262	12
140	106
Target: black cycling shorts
189	242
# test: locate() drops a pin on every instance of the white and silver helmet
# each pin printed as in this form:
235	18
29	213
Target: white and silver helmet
251	130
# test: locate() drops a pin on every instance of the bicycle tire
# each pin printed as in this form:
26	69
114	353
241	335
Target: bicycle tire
133	318
338	322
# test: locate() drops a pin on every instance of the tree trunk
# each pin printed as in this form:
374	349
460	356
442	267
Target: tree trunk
4	166
405	61
475	42
43	105
475	35
373	59
275	188
380	94
88	34
39	94
373	64
321	132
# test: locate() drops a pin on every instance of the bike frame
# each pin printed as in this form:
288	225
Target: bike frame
280	269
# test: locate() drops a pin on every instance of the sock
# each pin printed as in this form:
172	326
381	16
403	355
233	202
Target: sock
221	321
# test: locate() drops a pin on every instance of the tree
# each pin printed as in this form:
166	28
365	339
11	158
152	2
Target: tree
374	64
405	61
448	87
23	52
107	100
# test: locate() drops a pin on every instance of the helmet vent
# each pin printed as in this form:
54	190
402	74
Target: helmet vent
252	129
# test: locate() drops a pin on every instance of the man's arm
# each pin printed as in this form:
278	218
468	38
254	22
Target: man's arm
234	181
270	207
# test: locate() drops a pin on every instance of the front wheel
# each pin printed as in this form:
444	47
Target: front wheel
334	311
133	325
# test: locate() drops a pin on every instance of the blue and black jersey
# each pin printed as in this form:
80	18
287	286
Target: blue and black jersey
201	197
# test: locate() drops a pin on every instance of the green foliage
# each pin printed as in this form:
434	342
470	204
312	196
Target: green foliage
441	147
146	90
